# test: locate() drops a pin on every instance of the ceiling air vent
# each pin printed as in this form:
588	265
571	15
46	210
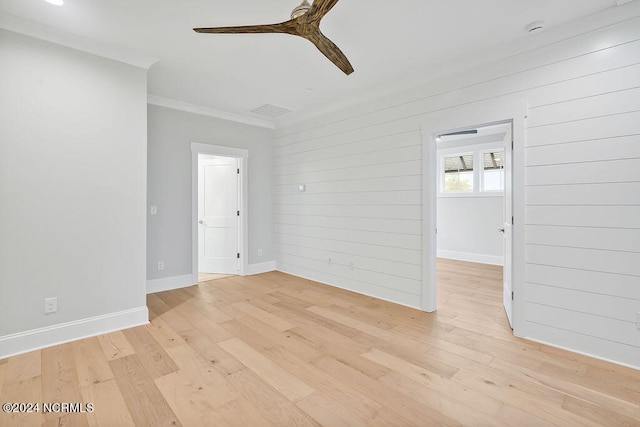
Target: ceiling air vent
271	110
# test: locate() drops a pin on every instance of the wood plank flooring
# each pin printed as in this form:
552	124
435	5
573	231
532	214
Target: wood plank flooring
277	350
205	277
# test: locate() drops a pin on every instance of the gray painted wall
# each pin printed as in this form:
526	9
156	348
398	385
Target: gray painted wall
171	133
72	189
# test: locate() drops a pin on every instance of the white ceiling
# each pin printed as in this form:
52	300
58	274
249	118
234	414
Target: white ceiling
387	42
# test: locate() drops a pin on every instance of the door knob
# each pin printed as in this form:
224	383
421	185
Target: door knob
501	230
201	222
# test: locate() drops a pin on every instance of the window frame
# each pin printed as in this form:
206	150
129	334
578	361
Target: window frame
478	150
481	155
443	173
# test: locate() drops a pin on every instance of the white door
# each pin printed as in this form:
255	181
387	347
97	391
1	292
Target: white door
507	232
218	215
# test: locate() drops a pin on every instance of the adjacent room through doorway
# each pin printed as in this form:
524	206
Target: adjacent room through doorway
473	203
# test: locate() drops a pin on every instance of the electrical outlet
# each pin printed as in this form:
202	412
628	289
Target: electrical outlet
259	252
154	210
50	305
160	265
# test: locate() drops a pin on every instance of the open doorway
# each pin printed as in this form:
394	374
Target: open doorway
468	117
218	211
474	207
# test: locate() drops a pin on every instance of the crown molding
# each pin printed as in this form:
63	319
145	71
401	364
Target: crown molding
42	32
206	111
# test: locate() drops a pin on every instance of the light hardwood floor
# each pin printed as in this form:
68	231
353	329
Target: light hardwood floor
205	277
276	350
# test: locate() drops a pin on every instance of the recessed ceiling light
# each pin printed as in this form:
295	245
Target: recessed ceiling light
56	2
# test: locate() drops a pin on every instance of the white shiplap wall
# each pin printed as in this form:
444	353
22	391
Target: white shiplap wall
362	170
358	224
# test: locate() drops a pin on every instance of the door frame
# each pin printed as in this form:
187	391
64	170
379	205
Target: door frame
243	241
455	119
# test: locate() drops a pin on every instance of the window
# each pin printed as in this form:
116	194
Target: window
474	162
493	170
477	171
458	173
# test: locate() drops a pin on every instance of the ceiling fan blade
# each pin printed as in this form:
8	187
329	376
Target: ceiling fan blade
283	27
330	50
319	8
306	26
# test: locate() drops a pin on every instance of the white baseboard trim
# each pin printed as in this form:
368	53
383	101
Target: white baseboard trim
23	342
263	267
169	283
471	257
584	353
389	297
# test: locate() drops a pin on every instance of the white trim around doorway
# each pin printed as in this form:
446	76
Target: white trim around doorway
243	157
450	120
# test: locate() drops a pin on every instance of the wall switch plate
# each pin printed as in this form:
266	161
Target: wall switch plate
154	210
160	265
302	188
259	252
50	305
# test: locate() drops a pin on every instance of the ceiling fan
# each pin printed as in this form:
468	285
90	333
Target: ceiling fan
305	23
